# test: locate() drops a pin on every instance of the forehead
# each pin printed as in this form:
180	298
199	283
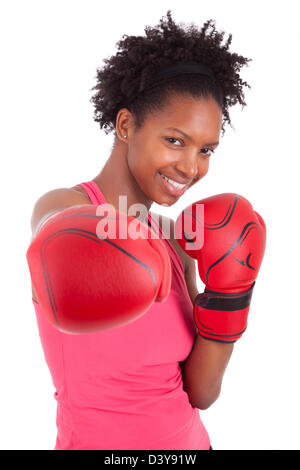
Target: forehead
189	114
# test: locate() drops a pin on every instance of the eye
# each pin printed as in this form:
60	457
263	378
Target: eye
206	151
209	150
168	139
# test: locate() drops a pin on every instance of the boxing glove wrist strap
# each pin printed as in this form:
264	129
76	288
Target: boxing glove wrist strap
222	316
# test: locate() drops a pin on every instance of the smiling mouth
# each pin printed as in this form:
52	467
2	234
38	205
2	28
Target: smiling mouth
175	184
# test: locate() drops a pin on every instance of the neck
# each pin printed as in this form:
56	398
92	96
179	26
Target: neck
115	179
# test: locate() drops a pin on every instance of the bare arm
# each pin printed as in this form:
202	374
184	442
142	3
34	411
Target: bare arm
204	368
203	371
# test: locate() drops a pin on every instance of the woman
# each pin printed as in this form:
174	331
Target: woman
166	97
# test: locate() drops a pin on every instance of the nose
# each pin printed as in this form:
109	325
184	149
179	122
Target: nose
188	166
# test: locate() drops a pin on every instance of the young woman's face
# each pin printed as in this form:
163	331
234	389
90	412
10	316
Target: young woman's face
175	143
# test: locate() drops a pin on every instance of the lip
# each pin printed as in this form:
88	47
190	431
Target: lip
177	180
170	189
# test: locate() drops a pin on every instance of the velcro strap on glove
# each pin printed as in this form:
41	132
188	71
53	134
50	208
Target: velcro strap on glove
222	316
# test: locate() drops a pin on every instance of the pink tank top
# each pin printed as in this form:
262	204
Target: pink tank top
122	388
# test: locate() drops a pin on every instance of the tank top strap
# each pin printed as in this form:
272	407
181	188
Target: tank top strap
174	255
94	192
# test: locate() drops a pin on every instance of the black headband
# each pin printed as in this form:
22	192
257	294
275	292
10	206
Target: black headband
173	70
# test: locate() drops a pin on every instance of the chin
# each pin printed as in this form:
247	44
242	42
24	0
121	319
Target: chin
169	203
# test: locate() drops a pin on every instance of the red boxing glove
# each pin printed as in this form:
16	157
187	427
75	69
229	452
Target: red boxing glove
229	244
86	282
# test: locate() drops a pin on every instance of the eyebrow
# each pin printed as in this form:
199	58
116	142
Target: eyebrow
187	136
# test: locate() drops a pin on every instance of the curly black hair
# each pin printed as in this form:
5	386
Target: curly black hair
122	82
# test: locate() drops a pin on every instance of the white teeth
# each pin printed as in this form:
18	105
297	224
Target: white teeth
173	183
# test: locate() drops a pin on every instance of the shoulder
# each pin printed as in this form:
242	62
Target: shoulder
81	191
53	201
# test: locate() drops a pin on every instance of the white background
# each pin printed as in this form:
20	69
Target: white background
49	54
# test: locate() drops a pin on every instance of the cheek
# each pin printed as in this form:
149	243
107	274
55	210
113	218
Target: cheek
203	167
